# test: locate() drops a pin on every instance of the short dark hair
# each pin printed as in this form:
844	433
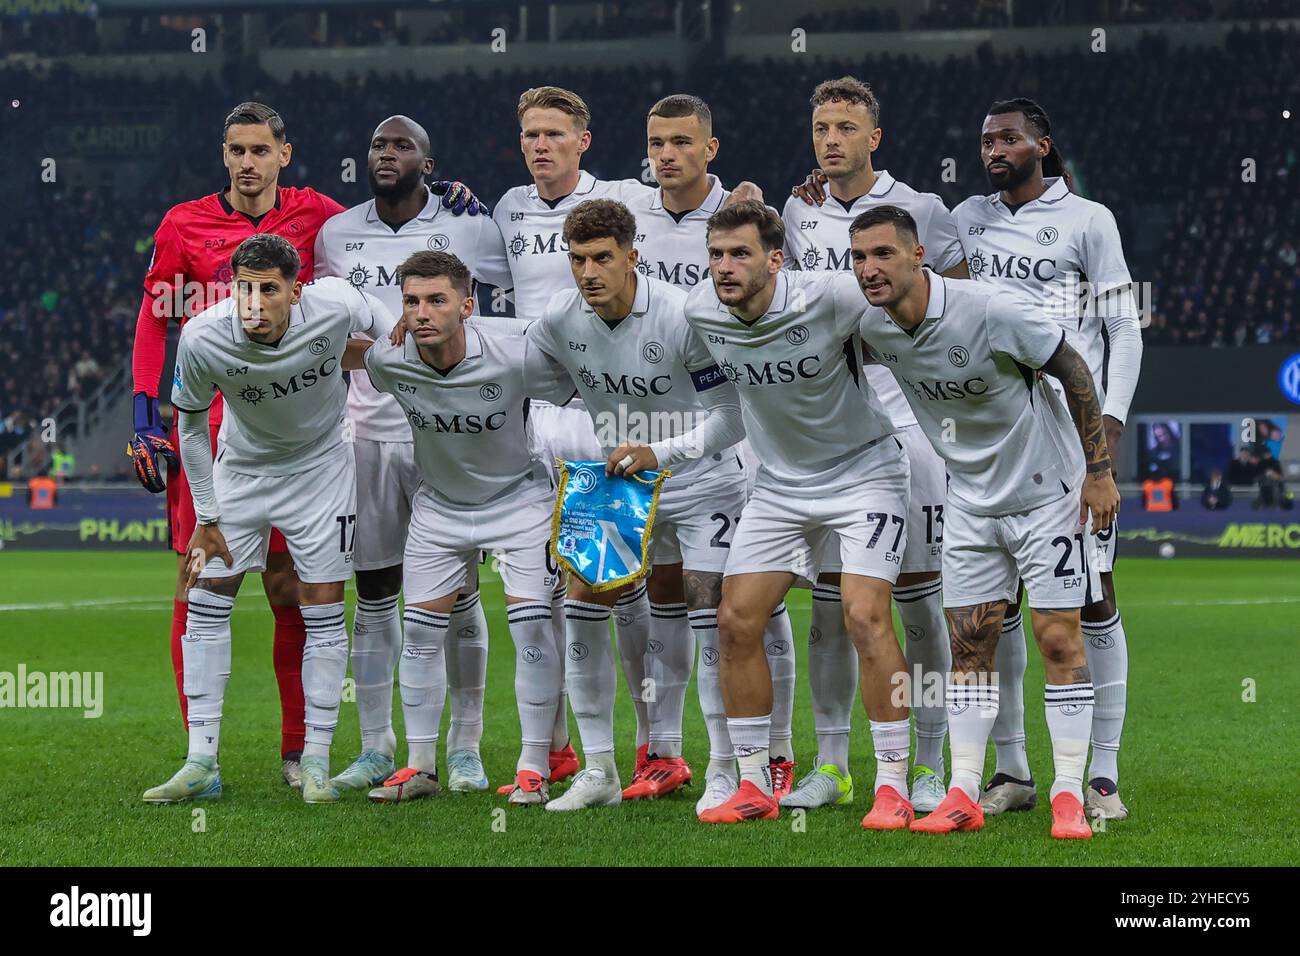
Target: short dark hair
901	220
432	265
599	219
254	114
266	250
847	89
750	212
683	104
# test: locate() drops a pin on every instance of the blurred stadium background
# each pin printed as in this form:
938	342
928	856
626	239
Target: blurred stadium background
126	98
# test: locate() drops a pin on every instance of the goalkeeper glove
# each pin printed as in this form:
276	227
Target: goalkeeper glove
458	197
149	444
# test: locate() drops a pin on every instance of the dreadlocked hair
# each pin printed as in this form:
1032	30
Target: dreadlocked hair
1037	119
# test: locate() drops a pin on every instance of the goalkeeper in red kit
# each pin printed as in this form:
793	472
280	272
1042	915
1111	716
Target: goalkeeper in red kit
190	271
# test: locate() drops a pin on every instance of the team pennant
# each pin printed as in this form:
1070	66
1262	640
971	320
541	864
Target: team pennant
602	523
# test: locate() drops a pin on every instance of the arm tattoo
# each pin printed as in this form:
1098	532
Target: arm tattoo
703	589
1068	366
974	633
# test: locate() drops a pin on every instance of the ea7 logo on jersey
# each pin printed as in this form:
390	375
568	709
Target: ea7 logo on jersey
577	346
408	389
975	231
353	246
242	370
806	224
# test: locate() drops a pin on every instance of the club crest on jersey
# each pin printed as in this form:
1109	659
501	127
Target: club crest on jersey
1047	235
958	356
359	276
652	352
797	335
438	243
319	346
490	392
253	394
294	227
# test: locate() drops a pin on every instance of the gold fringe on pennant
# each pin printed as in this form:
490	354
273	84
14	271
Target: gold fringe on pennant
561	466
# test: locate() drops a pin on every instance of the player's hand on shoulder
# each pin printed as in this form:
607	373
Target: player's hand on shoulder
744	191
206	543
398	335
810	190
458	197
629	459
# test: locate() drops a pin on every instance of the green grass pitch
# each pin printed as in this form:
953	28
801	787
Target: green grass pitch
1206	773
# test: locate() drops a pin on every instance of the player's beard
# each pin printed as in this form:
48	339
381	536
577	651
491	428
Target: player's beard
1014	176
402	186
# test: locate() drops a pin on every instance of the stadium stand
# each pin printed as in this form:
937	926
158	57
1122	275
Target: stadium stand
1221	257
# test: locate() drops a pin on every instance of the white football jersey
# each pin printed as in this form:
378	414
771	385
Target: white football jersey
640	379
674	249
288	399
470	425
358	246
1047	251
798	374
817	239
535	248
968	372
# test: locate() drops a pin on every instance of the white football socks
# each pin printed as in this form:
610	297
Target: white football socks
467	650
205	649
749	738
632	630
832	676
892	740
778	641
670	655
1107	650
708	682
422	678
589	675
559	634
926	645
537	682
632	652
324	665
376	643
972	710
1069	724
1009	731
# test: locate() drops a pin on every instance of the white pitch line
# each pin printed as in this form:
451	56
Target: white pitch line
115	604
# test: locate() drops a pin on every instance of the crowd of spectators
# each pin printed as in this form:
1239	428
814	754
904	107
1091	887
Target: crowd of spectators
1158	135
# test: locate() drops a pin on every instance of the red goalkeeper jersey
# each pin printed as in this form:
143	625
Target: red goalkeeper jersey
190	269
